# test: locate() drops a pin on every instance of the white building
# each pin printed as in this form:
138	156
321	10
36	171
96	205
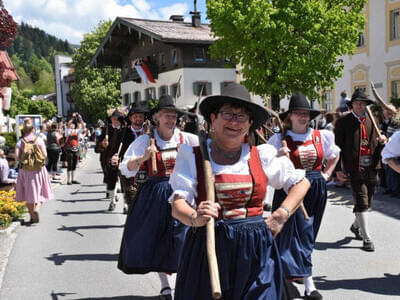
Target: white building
175	53
64	79
377	57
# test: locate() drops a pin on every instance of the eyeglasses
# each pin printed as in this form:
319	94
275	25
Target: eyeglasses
240	117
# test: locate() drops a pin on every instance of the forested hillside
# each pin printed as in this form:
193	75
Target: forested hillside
32	54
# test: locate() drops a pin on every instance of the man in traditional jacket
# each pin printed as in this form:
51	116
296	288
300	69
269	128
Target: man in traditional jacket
108	145
360	161
136	117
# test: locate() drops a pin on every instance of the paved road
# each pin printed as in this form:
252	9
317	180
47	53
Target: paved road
72	253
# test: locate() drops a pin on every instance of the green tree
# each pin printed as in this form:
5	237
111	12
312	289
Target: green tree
95	89
286	46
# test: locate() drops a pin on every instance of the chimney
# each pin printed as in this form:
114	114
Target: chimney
176	18
196	19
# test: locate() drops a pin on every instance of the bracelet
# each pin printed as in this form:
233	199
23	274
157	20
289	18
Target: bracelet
285	209
192	219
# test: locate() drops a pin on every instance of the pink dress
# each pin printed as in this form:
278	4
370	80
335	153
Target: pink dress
33	186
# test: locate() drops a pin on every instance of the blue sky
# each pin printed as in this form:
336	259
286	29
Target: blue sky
71	19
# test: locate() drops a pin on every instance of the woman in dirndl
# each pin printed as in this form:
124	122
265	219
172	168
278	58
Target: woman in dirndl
152	239
308	149
248	259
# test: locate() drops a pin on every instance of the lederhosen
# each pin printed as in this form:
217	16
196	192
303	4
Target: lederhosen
111	172
297	238
248	259
153	239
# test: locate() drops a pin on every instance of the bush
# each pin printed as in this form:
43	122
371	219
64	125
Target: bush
11	140
10	209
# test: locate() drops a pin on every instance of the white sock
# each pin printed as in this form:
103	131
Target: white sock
309	285
362	218
69	176
355	223
164	283
72	175
111	194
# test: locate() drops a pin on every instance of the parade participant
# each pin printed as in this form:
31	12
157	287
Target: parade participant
72	151
391	153
53	150
152	239
248	259
136	118
33	184
360	159
108	144
307	149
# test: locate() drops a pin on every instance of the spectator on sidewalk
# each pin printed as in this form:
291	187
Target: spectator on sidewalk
33	184
53	150
6	183
72	151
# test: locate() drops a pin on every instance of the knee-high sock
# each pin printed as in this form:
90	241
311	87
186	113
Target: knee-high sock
72	175
309	285
69	175
111	194
362	218
164	282
355	223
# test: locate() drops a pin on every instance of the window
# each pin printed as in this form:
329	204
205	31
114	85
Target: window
327	98
361	40
161	60
174	57
223	85
150	93
175	90
126	99
395	24
162	90
137	97
203	87
199	54
396	89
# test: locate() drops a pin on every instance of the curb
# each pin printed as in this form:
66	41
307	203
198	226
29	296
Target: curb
7	239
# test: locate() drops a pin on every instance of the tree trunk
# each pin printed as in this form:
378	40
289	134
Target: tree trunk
275	102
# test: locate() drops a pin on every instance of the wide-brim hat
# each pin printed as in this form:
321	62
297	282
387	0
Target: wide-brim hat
234	93
299	102
137	110
359	95
166	102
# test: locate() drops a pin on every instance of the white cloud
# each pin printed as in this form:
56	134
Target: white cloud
70	19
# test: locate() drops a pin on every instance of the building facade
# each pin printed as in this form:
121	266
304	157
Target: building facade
64	80
174	53
376	59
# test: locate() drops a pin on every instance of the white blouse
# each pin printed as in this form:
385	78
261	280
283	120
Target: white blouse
392	148
138	147
331	150
279	170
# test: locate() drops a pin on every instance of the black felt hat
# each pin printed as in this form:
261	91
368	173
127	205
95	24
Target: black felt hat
236	94
137	110
299	102
165	102
359	95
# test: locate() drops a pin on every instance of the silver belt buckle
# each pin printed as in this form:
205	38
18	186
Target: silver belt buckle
365	161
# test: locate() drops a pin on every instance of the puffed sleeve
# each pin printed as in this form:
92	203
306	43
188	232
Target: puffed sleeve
279	170
392	148
275	141
331	150
136	148
183	179
190	139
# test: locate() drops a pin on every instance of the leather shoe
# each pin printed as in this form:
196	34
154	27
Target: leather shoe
356	231
315	295
368	245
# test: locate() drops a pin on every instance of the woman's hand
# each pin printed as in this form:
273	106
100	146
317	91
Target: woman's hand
325	176
276	221
205	211
284	151
151	149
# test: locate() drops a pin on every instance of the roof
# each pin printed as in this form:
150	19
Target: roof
169	31
125	32
9	73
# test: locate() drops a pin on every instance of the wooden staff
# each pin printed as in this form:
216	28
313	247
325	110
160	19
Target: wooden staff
150	132
284	144
210	193
261	136
380	100
371	116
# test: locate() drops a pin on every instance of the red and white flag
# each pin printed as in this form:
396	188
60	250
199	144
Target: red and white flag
144	73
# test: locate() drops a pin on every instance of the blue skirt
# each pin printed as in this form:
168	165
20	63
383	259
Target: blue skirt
297	238
152	239
248	262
